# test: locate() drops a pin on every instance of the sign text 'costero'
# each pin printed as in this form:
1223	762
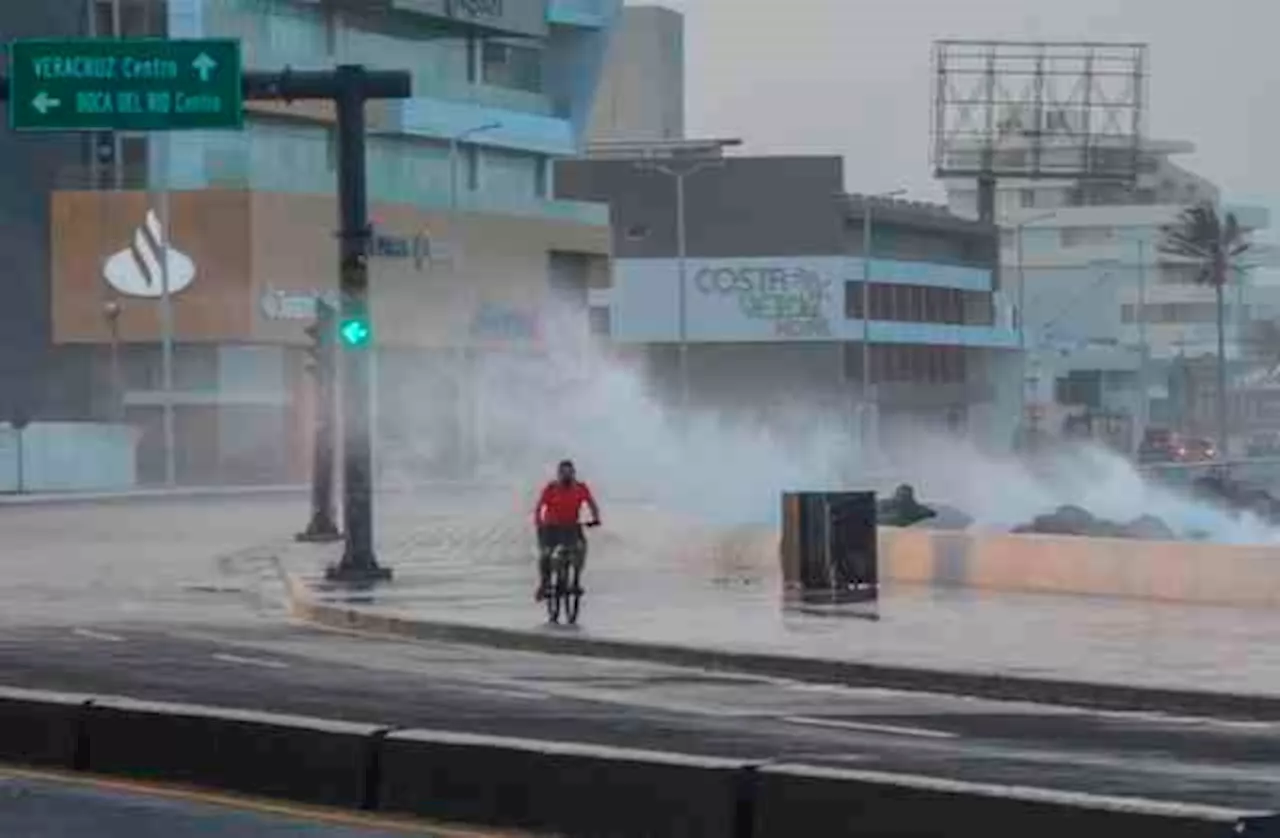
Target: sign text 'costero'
793	298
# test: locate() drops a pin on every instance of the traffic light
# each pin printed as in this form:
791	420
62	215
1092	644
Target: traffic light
355	331
320	331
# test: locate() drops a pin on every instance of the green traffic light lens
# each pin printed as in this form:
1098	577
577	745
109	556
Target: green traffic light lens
355	332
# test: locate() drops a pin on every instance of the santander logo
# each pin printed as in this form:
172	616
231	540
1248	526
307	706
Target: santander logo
136	271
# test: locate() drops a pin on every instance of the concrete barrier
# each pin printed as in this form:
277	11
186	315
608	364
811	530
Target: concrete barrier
41	728
1168	571
1156	571
562	788
307	760
819	802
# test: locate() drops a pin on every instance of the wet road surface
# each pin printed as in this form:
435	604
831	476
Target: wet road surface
182	602
48	806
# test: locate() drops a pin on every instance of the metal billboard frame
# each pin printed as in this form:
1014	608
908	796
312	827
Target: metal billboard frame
1038	109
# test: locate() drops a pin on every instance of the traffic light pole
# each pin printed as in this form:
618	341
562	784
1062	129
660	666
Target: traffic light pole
322	528
359	563
349	88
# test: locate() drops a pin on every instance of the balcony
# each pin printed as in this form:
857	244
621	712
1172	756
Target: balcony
484	95
589	14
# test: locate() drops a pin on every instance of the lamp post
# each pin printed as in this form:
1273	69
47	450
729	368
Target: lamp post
111	310
1144	348
1020	268
867	394
468	448
680	173
455	144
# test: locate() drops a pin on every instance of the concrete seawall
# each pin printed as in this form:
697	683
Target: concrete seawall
1160	571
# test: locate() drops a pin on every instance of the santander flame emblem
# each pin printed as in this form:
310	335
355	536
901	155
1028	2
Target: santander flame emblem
136	271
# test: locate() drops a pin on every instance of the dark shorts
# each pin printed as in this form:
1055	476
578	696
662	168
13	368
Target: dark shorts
550	537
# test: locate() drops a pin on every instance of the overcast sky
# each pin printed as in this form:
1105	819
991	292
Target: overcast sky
852	77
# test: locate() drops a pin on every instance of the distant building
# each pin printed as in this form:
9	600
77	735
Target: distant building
1106	314
642	95
469	241
773	293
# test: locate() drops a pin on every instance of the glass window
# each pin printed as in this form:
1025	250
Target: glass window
407	171
601	322
853	300
142	18
290	157
510	175
1077	236
104	25
473	167
512	64
881	301
1027	197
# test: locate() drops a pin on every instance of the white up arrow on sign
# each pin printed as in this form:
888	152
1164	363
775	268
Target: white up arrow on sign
204	65
45	103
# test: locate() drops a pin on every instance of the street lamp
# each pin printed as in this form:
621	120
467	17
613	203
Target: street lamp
111	311
454	146
866	392
1020	267
679	173
465	407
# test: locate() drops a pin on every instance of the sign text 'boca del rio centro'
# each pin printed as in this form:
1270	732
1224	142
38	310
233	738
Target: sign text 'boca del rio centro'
125	85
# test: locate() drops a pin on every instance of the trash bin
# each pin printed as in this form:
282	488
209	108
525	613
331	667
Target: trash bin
829	545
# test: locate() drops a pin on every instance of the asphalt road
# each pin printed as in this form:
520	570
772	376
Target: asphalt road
295	669
62	807
214	631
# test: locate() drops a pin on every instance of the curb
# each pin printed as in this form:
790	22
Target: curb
1114	697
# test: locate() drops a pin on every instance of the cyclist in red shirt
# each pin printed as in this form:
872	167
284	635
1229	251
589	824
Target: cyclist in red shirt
557	519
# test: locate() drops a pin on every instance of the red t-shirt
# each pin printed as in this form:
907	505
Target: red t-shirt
560	506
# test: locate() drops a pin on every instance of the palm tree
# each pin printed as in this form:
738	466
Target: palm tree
1213	243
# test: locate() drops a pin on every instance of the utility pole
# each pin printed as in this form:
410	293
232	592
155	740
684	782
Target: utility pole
1144	348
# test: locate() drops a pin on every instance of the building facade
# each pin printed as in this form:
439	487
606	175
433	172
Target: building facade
769	300
469	242
1109	320
642	94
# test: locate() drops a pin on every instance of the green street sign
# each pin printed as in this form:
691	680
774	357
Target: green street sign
150	84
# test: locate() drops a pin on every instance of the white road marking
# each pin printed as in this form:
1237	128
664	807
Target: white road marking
868	727
262	662
97	635
501	693
1177	720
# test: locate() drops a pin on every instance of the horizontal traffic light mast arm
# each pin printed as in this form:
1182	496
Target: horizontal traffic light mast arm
292	85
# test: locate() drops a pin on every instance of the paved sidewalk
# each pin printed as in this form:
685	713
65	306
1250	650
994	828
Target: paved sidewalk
652	579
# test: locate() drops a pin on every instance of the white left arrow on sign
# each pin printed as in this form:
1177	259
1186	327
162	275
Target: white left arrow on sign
45	103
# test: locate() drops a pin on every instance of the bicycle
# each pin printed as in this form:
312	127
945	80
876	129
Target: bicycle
565	581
